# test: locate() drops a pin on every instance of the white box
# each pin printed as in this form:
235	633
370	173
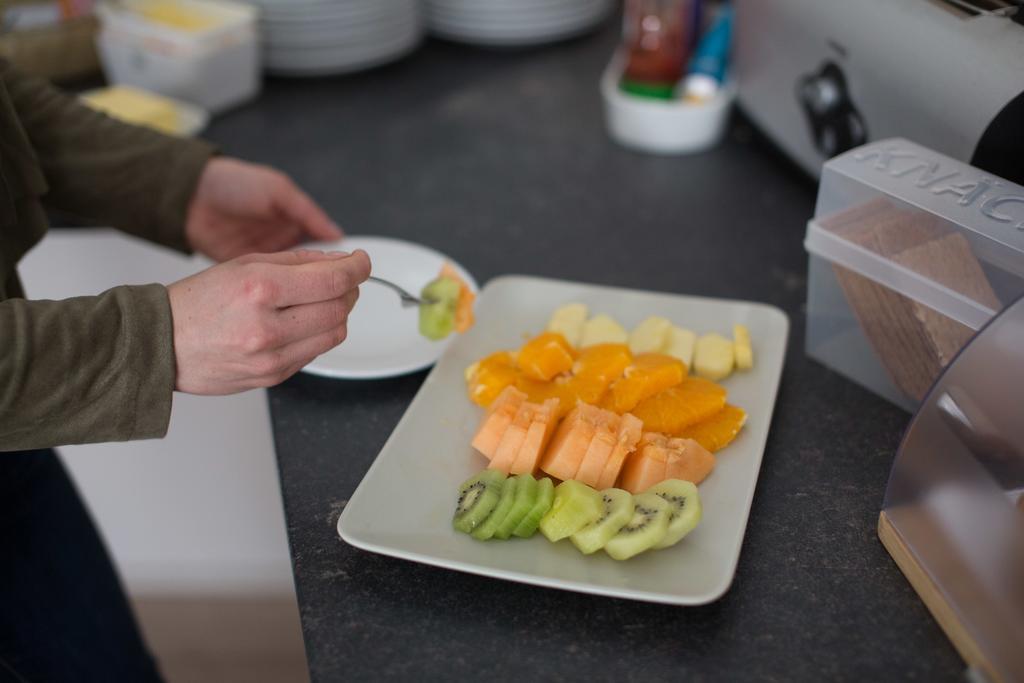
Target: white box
215	67
663	126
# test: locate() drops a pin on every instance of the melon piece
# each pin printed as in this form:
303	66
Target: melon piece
545	356
630	429
568	321
603	329
570	444
538	435
575	506
713	357
606	432
439	302
513	438
650	336
497	419
688	461
646	467
464	303
680	344
743	350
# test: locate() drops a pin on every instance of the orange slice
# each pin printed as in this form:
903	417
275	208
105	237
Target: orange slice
693	400
649	374
490	377
596	368
545	356
539	392
717	431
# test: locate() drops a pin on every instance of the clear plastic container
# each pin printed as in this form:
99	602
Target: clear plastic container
911	252
213	62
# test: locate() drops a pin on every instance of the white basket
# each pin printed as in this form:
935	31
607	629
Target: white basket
215	67
663	126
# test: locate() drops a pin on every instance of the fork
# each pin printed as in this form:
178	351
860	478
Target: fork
407	298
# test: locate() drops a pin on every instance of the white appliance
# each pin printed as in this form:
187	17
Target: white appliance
823	76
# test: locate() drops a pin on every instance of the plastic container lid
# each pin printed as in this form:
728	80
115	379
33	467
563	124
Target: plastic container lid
934	229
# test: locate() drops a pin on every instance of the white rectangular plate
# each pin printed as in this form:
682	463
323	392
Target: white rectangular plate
403	507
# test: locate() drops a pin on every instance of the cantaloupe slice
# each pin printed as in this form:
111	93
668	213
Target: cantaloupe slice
630	429
545	417
464	306
513	438
497	419
600	448
689	461
646	467
564	455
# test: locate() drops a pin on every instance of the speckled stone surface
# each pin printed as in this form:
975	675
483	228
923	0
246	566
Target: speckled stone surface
500	159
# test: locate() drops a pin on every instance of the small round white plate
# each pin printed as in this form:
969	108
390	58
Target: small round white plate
383	337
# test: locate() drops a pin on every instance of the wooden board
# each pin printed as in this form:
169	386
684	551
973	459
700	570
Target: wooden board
933	599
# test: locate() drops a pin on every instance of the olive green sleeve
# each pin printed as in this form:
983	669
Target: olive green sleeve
88	369
132	178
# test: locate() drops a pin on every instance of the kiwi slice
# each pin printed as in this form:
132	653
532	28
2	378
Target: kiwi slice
644	530
686	512
525	497
618	510
437	312
545	497
486	529
575	506
478	496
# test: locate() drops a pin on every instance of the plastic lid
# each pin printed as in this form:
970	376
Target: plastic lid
929	227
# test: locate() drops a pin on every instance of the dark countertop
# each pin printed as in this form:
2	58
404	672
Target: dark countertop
500	159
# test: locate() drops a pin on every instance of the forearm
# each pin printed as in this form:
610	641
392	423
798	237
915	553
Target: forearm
85	370
132	178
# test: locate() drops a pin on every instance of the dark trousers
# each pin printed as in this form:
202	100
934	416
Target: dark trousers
63	614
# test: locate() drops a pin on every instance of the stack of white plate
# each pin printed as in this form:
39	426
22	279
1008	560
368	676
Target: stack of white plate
320	37
514	22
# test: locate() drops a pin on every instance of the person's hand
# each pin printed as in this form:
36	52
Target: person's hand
255	321
240	208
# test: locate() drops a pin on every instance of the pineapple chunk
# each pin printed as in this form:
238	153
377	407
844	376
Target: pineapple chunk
744	352
602	329
470	371
713	356
568	321
680	344
650	335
